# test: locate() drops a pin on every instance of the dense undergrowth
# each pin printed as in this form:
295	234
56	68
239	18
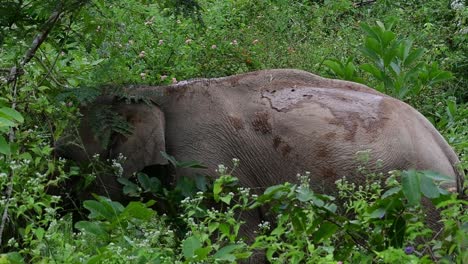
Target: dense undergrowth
413	50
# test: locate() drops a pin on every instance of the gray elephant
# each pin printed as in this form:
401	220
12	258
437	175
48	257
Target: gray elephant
278	123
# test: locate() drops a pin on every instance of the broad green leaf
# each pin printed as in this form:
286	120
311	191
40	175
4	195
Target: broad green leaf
94	228
4	146
182	164
226	199
113	206
369	31
390	22
413	56
325	231
144	181
369	53
203	252
304	194
139	211
189	246
225	229
396	70
440	77
274	192
404	48
13	258
335	67
4	122
391	192
131	190
12	114
186	186
39	232
217	188
98	210
410	181
201	182
350	69
378	213
381	25
226	253
331	207
318	202
370	68
298	218
191	164
155	185
170	158
373	45
437	176
125	181
428	187
387	37
390	56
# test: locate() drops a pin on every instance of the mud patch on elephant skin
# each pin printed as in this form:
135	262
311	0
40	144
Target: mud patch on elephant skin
236	122
261	123
328	173
322	151
282	146
285	150
329	135
277	141
372	123
350	123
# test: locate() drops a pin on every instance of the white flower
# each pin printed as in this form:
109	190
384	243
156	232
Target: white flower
221	169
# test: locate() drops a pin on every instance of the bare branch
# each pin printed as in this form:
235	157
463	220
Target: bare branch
17	71
5	211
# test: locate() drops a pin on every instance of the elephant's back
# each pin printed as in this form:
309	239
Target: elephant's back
334	124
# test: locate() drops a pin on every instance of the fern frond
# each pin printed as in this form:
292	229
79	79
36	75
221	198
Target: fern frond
105	121
125	94
82	94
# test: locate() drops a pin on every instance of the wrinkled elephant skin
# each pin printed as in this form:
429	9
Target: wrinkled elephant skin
280	123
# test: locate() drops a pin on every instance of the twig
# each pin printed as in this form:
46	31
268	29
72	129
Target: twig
47	69
17	71
5	211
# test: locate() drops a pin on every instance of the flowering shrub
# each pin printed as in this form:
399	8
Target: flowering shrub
54	54
377	223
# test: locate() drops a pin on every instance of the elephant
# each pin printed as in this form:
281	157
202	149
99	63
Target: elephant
277	123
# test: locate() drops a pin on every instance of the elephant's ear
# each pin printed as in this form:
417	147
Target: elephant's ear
143	147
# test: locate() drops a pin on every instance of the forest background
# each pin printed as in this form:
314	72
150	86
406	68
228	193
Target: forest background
56	55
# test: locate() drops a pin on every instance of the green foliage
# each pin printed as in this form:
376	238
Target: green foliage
346	71
9	118
157	42
393	63
104	121
381	223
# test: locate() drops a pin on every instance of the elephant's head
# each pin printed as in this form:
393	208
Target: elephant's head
147	122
